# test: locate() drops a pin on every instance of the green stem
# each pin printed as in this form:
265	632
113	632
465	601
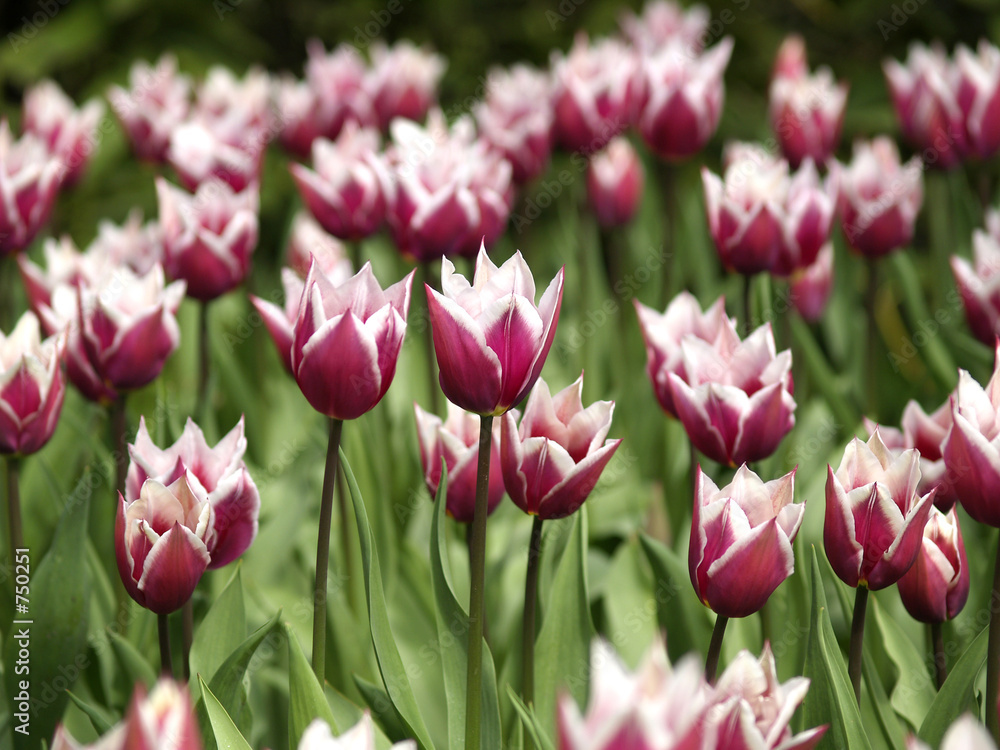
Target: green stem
747	304
715	648
993	655
163	629
857	640
323	550
345	537
187	636
119	429
870	300
940	657
14	507
477	588
528	631
203	361
668	189
432	374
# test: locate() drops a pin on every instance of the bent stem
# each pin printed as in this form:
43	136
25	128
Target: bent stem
993	655
162	627
715	648
323	551
528	632
940	658
203	367
477	586
14	507
857	640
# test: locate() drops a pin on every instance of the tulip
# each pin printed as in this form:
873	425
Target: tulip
807	111
741	540
361	736
682	96
979	285
810	287
735	399
965	733
299	105
69	133
134	244
65	265
157	102
280	322
216	475
208	237
595	93
879	197
307	239
450	192
163	720
235	103
200	153
937	586
29	180
552	462
338	81
515	119
615	183
925	93
162	543
979	96
664	332
346	341
665	22
490	337
456	440
346	193
403	81
31	387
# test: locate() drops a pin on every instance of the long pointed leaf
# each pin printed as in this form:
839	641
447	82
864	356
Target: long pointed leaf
306	700
956	695
227	736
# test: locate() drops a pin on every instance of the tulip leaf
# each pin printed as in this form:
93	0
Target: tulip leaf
102	724
390	663
49	650
347	714
830	699
306	700
134	665
452	625
685	619
562	650
227	736
629	605
529	720
914	692
377	699
221	631
956	695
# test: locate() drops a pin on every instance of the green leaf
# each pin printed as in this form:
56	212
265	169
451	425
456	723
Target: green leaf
913	692
377	699
831	698
55	639
562	651
102	723
346	713
222	630
135	666
306	700
452	625
227	736
956	695
390	663
530	721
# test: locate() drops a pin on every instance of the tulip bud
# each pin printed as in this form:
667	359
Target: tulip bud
490	337
615	181
937	586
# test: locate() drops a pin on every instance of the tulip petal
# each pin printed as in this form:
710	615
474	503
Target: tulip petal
172	570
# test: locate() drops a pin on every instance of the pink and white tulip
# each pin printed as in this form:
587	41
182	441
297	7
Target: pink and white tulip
69	133
665	22
810	287
979	96
403	81
30	176
308	240
979	284
936	588
158	100
615	181
338	80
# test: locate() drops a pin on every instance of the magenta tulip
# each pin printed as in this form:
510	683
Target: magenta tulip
29	181
874	517
299	104
403	81
979	285
347	339
664	22
615	181
810	287
157	102
741	540
937	586
552	462
979	96
338	80
69	133
307	239
490	337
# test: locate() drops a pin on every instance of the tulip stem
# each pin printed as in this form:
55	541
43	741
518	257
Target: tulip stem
857	640
323	551
432	374
940	658
668	188
345	537
528	632
993	655
477	586
187	637
747	303
468	546
872	402
715	648
14	507
119	430
203	367
163	629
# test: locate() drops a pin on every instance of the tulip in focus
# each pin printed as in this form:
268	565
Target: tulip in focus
69	133
347	339
663	333
456	440
208	237
31	387
741	540
615	182
346	192
553	460
490	337
937	586
403	81
810	287
979	285
807	111
157	102
215	475
735	397
361	736
875	518
879	197
29	181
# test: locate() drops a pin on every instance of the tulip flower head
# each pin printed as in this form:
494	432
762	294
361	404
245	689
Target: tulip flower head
979	96
456	440
338	81
29	181
31	387
490	337
69	133
347	339
307	239
552	462
318	736
615	181
965	733
741	540
937	586
874	516
403	81
979	285
664	22
810	287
